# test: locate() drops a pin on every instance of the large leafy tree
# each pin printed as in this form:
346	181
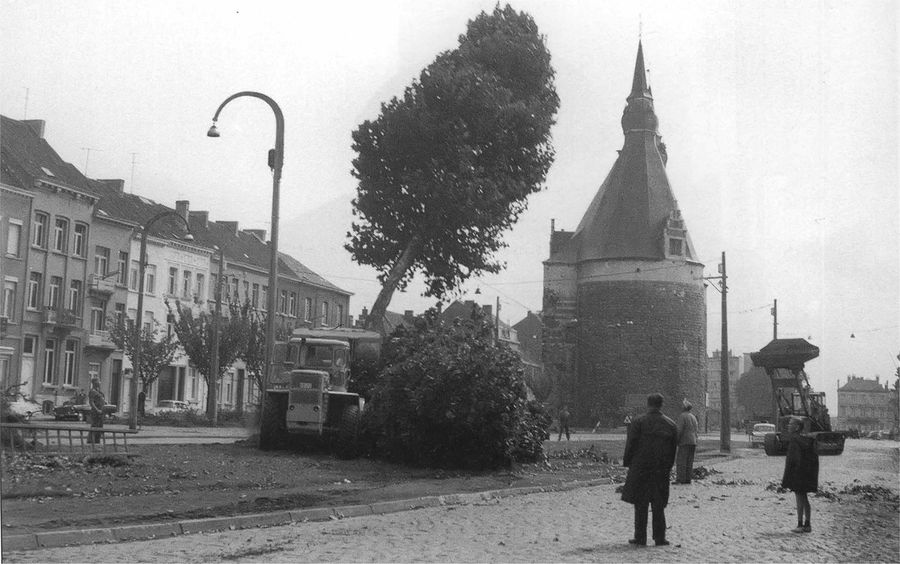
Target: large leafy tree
195	331
754	392
445	169
158	349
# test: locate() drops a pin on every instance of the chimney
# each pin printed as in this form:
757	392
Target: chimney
201	216
36	125
182	208
877	377
116	184
552	225
408	314
258	233
230	225
488	311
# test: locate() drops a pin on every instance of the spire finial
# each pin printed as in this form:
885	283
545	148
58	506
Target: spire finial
639	87
640	27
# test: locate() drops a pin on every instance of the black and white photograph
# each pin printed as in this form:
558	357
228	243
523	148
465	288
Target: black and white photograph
434	281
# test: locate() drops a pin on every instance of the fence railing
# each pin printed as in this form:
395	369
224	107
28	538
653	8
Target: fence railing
23	438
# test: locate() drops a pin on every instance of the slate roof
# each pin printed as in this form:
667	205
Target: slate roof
627	217
862	385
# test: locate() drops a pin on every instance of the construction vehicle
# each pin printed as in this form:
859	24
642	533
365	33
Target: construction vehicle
307	395
783	361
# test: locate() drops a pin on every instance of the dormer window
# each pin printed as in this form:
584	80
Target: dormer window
674	236
676	247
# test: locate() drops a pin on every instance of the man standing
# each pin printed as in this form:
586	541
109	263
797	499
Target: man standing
97	401
687	444
649	456
564	422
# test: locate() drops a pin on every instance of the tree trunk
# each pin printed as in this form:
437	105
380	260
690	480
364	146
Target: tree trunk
211	399
375	320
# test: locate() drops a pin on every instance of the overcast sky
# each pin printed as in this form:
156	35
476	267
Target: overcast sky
780	120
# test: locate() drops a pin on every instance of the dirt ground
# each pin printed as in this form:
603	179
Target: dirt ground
174	482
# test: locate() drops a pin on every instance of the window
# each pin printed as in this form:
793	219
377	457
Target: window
675	247
265	298
101	261
60	235
255	301
293	304
39	231
150	279
213	288
307	309
49	360
55	286
28	345
69	356
173	281
148	321
234	290
324	313
186	284
246	291
340	314
79	243
282	305
74	301
9	298
120	314
34	290
133	275
13	236
98	317
122	269
201	284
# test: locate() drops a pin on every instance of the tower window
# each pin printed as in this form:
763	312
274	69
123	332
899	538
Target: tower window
676	248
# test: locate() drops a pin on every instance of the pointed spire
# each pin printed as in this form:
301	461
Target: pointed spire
639	86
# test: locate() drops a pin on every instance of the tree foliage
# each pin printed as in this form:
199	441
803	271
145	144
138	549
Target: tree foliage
754	392
446	169
157	349
449	397
195	335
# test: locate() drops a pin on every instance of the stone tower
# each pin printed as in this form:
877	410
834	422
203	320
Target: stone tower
624	299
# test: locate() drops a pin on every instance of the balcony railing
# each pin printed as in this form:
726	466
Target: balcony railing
60	317
100	340
101	285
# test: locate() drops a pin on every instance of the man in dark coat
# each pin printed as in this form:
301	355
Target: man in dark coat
97	402
649	455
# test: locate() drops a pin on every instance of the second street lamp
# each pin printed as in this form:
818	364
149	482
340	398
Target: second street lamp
276	160
138	322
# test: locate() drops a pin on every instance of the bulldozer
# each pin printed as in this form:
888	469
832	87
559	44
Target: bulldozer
307	396
793	397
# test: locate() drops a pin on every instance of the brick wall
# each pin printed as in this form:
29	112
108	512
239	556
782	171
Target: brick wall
632	338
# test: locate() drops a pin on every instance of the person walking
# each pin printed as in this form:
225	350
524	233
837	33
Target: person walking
801	472
649	455
97	401
564	422
687	444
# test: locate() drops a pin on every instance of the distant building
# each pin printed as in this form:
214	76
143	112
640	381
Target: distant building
865	405
736	366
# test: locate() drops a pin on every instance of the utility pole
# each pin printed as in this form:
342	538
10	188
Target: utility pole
497	323
775	320
724	383
213	395
725	431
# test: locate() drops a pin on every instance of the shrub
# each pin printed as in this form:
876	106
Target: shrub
450	398
533	431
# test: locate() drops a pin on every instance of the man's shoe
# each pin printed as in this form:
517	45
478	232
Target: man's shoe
637	542
807	529
663	542
797	529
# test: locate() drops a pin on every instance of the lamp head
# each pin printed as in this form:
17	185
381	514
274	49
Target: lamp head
188	236
213	131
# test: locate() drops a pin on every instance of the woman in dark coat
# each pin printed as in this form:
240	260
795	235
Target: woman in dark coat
649	456
801	472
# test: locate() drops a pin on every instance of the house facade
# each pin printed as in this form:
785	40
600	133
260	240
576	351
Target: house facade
865	405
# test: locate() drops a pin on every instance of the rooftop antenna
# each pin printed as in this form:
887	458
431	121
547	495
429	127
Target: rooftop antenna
131	186
25	113
87	158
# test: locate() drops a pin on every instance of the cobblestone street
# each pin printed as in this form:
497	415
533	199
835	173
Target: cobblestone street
730	516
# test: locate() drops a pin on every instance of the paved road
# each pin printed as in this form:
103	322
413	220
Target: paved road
728	517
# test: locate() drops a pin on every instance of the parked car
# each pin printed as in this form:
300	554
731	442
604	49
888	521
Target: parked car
165	406
759	432
877	435
72	412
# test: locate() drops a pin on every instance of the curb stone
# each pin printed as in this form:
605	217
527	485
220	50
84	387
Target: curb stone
54	539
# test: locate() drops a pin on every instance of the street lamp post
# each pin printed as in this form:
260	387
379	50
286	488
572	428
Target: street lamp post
276	161
138	322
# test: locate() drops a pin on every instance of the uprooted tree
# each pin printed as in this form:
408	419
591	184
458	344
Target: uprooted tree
157	349
447	168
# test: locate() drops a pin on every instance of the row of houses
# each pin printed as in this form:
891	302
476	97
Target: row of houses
69	265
